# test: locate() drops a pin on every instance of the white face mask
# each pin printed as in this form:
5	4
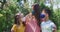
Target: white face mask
23	19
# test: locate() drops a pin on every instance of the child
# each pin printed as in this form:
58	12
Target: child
18	24
47	25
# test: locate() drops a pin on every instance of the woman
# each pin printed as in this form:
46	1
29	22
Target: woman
47	25
32	20
18	24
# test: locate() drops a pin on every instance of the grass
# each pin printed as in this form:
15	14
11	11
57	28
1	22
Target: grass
58	30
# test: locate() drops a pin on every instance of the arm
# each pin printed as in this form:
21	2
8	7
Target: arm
13	28
54	27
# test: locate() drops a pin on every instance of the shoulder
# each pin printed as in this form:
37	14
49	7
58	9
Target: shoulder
14	25
52	23
42	23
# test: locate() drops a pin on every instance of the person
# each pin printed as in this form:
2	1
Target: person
46	24
32	20
18	24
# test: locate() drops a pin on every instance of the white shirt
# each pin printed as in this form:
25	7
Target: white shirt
47	26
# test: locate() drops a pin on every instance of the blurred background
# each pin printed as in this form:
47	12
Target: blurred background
8	8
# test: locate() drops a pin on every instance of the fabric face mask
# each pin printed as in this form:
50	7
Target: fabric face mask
33	12
42	15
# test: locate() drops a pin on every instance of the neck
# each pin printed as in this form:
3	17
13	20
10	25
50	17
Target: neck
47	19
20	22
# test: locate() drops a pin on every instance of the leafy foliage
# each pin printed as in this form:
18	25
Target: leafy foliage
12	7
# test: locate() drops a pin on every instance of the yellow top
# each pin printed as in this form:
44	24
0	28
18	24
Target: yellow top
19	28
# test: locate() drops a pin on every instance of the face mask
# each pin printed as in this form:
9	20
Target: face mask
23	19
33	12
42	15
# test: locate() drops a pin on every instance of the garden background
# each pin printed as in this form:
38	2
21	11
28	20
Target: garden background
8	8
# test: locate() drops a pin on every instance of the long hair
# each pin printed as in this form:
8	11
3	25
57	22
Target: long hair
17	17
36	9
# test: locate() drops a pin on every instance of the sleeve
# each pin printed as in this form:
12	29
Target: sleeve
53	26
13	28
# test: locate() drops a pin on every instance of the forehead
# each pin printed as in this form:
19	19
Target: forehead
43	12
17	16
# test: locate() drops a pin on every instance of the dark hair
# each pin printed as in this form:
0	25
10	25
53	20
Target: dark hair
17	17
48	11
17	20
37	12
